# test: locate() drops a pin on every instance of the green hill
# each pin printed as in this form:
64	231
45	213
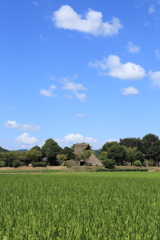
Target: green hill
3	150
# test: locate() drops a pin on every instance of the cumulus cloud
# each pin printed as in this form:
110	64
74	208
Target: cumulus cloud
25	140
92	23
123	71
74	87
71	139
49	92
129	90
151	10
155	78
157	52
23	127
133	48
81	115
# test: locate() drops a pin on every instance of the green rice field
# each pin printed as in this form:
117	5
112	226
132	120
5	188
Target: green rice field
80	206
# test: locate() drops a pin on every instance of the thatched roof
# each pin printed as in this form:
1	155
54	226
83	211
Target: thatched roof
80	147
93	160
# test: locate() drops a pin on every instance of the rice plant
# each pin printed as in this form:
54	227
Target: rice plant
80	206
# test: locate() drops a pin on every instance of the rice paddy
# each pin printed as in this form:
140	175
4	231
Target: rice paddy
80	206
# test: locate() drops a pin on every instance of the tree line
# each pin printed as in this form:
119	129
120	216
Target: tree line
126	151
132	150
50	153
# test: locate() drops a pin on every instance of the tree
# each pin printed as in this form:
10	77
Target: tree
10	156
130	154
103	155
107	145
61	158
69	152
51	149
117	153
36	148
131	142
147	142
139	156
86	154
109	163
154	152
33	156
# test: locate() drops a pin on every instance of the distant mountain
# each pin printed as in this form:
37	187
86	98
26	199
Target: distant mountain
22	150
97	153
3	150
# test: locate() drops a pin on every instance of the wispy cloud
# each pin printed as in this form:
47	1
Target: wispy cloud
129	91
157	52
151	10
123	71
35	3
92	23
81	115
49	92
22	127
133	48
42	37
74	87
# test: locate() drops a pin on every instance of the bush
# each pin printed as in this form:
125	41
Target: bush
2	164
39	164
122	170
16	163
151	163
138	163
125	163
67	164
108	163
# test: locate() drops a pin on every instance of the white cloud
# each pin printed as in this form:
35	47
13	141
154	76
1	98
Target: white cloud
129	90
133	48
67	18
49	92
35	3
155	78
73	87
71	139
157	52
151	10
25	140
126	71
81	115
23	127
81	96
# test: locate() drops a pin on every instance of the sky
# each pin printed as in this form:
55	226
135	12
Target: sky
78	71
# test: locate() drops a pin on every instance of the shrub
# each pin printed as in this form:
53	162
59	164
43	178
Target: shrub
16	163
122	170
67	164
109	163
39	164
151	163
2	164
125	163
138	163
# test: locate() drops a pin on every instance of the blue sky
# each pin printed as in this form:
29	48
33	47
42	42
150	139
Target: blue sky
78	71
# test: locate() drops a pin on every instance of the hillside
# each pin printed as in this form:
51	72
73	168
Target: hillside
3	150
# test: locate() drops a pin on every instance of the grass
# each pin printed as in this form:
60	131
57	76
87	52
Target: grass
80	206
